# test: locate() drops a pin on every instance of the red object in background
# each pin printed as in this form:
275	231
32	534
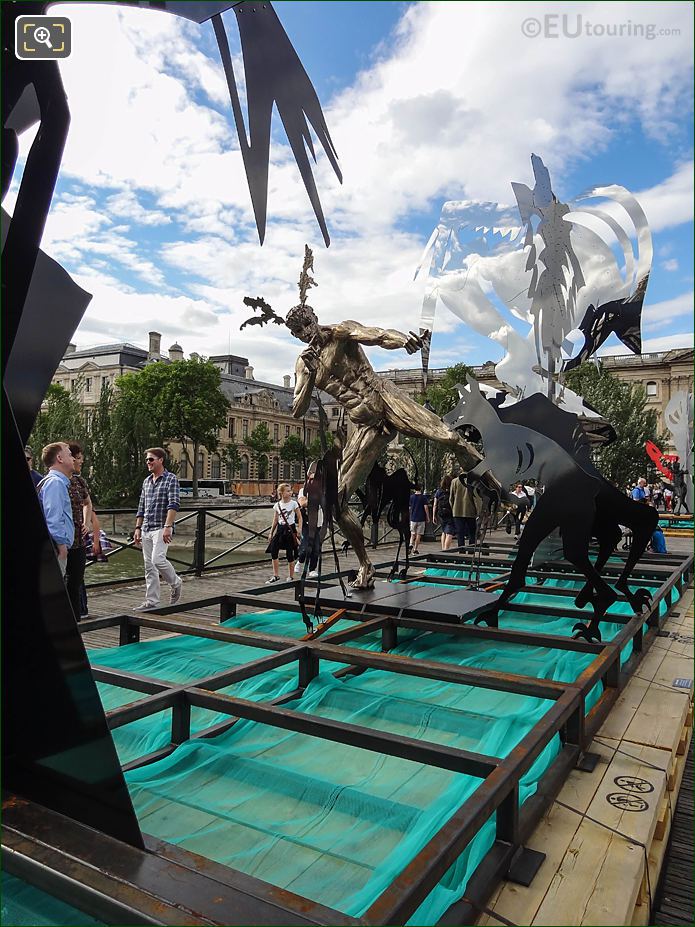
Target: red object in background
660	459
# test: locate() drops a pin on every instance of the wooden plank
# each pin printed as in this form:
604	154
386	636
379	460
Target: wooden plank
597	882
629	797
674	667
552	836
624	709
659	720
579	789
649	665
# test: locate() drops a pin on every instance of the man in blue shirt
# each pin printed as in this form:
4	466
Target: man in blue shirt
55	499
154	528
419	516
639	493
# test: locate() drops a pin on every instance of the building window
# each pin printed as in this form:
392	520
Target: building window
245	429
230	428
286	470
287	431
215	467
335	411
183	467
276	469
72	386
651	388
276	434
262	467
88	384
299	431
296	470
244	468
201	465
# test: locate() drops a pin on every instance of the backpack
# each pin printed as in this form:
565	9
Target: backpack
444	509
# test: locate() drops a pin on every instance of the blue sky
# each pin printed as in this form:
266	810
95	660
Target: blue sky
426	103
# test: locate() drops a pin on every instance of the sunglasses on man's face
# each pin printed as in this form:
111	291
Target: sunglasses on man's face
150	459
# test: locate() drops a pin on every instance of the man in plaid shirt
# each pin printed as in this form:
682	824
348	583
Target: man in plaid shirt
154	528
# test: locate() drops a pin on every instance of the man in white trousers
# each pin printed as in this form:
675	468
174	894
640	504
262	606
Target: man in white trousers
154	528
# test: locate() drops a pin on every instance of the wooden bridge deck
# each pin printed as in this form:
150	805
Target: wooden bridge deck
674	900
120	599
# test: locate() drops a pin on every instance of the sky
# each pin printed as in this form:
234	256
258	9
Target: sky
426	102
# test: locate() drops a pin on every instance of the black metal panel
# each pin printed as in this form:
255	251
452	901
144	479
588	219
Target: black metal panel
124	885
274	77
456	605
57	749
42	338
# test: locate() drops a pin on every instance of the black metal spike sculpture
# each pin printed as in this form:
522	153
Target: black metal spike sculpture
274	77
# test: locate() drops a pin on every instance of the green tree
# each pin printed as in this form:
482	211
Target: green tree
233	458
260	444
183	402
315	450
61	419
624	405
431	459
293	450
102	462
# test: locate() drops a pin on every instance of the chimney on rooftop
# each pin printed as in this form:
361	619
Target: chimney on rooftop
248	372
286	381
176	352
71	348
153	352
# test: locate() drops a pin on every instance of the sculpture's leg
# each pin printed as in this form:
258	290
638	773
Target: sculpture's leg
361	453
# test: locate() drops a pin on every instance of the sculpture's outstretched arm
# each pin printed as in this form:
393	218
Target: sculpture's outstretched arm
387	338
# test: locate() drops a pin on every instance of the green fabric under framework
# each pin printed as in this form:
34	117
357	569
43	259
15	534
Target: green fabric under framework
23	905
677	523
331	822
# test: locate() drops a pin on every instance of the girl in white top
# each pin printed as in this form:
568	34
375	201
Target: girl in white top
284	534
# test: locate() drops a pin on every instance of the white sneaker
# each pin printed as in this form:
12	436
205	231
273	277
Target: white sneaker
273	579
314	574
143	607
176	592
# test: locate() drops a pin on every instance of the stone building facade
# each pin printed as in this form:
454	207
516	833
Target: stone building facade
253	401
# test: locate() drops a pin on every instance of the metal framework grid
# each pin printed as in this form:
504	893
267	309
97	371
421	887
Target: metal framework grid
170	885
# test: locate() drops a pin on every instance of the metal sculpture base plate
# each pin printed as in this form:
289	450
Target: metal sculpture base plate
453	606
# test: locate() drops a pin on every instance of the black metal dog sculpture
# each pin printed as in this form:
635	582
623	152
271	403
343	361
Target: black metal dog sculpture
390	493
577	499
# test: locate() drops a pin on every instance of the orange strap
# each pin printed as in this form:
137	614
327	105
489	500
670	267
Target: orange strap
325	626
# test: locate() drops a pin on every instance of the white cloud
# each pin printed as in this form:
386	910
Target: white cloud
665	313
669	203
682	340
449	109
670	265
